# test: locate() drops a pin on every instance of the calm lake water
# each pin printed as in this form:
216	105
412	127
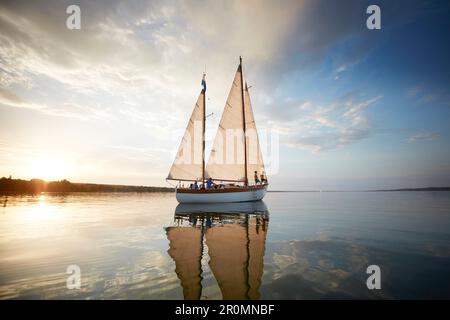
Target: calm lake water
291	246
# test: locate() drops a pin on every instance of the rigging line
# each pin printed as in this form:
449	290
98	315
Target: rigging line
168	181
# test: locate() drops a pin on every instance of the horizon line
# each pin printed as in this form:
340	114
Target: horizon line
428	188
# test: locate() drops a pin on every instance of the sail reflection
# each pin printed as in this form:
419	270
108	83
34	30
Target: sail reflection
232	234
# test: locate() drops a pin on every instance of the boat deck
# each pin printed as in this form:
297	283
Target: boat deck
224	189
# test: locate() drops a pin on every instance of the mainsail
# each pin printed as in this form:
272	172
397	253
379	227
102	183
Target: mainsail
227	161
188	164
254	155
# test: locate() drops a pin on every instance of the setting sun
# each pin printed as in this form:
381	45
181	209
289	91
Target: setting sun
49	169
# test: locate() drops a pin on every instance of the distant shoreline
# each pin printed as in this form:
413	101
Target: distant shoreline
33	186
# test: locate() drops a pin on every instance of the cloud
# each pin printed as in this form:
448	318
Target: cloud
143	60
425	96
9	98
428	98
316	128
65	109
414	91
423	136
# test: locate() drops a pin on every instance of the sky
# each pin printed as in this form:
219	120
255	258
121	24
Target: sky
351	108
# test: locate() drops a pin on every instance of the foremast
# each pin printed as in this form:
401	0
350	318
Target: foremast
204	125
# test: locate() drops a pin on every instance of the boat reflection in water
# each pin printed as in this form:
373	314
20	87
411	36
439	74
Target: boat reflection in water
232	234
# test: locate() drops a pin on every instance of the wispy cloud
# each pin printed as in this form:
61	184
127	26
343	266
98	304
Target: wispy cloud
319	128
414	91
9	98
424	96
428	98
137	60
64	109
423	136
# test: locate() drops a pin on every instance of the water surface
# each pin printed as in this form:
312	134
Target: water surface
291	246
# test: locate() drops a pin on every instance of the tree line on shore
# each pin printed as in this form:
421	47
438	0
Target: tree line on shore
38	185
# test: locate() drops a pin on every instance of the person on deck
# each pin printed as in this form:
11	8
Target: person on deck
256	178
195	185
263	178
209	183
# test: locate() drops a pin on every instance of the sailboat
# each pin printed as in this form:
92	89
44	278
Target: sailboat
235	155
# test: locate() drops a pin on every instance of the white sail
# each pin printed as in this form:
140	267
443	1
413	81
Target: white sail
226	161
188	164
254	154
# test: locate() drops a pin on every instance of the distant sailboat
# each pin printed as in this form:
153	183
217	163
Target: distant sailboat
235	155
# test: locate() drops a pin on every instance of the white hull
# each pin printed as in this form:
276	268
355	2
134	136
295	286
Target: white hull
221	197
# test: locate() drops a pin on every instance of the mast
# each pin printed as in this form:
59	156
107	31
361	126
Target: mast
243	122
203	133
